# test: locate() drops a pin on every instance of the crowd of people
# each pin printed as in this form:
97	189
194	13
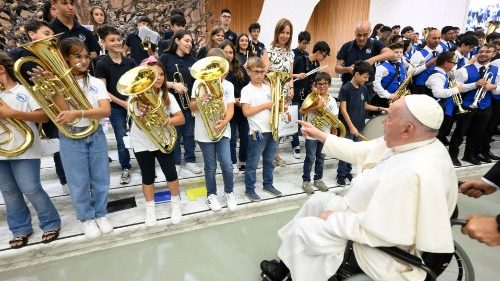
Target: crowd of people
453	78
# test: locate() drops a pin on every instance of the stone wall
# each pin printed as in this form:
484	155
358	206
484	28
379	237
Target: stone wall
121	13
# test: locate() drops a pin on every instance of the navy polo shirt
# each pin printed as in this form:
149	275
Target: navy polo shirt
183	63
231	36
355	53
259	47
78	31
137	53
18	53
111	71
355	104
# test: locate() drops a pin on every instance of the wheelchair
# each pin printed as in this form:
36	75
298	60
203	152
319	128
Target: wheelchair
438	266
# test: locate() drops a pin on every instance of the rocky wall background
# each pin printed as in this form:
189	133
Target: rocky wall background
121	13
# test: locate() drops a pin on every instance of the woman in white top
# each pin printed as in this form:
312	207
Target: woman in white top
85	160
20	174
220	149
146	152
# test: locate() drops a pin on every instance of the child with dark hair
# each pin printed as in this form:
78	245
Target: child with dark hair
353	97
256	46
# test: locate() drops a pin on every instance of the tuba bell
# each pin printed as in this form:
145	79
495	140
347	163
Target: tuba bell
63	83
7	127
324	117
137	83
209	71
277	79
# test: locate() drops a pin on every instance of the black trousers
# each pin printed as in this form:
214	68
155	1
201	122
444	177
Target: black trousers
491	127
51	131
146	161
472	125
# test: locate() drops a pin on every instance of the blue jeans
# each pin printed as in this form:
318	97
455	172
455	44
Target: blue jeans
266	147
118	119
219	150
185	131
240	123
313	155
295	137
87	171
22	177
344	168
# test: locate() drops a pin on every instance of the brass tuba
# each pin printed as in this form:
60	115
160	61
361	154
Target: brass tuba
277	79
63	83
209	71
137	83
324	117
20	126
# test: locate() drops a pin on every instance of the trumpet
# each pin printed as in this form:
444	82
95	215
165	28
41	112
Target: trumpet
481	92
184	98
457	98
324	117
63	83
277	80
21	127
137	83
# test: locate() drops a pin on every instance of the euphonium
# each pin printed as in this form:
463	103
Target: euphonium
209	71
324	117
63	83
137	83
184	98
402	89
20	126
457	98
277	79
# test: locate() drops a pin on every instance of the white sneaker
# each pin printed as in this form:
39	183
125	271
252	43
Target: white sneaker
235	169
176	214
231	201
213	203
150	218
104	225
296	152
90	229
193	167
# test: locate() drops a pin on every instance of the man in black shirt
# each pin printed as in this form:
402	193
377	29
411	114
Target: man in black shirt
65	23
362	48
225	20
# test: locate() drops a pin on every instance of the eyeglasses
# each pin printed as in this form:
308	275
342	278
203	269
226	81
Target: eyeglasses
226	17
322	84
259	72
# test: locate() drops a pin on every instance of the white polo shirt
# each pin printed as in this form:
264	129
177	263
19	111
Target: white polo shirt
254	96
94	90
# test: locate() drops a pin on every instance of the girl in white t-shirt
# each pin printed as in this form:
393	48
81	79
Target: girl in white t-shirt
20	174
314	147
85	160
220	149
146	152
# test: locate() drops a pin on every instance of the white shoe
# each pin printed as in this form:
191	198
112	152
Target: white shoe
193	167
90	229
235	169
104	225
231	201
150	218
213	203
176	214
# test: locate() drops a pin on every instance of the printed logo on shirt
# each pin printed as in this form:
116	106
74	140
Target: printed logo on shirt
21	97
368	51
330	107
362	97
82	37
226	94
93	90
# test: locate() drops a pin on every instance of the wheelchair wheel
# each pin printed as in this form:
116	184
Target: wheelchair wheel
460	267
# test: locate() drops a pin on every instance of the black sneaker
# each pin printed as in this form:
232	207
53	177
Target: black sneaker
252	196
242	168
273	191
341	182
349	177
456	162
274	270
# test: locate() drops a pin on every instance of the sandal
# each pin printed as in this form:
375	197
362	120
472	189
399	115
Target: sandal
49	236
20	238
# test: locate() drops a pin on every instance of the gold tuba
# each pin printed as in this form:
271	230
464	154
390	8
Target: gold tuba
137	83
63	83
209	71
20	126
277	79
324	117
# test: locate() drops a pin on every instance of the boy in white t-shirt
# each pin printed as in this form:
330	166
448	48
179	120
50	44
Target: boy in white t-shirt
256	104
213	149
314	147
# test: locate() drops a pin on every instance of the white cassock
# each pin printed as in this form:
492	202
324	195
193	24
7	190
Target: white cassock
402	197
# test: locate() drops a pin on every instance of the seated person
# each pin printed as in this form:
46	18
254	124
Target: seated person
403	195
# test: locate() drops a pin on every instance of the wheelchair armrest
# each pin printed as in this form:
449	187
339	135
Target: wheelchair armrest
409	258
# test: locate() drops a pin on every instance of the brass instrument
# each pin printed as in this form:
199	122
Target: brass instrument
184	98
457	98
491	26
277	80
21	127
481	92
63	83
137	83
146	44
324	117
402	89
210	71
426	31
